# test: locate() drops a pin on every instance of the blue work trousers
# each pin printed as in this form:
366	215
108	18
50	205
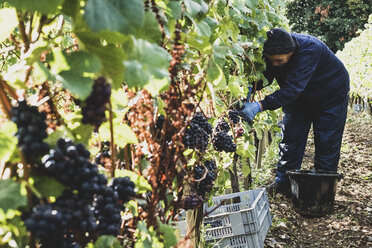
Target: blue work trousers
328	127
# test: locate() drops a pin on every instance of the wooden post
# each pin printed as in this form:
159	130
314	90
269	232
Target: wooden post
261	149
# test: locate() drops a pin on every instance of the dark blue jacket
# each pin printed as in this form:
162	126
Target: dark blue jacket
314	79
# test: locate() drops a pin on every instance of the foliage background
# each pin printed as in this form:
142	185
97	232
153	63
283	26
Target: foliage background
333	21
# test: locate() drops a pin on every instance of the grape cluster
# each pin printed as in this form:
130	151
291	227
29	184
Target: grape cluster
124	187
223	142
104	154
204	176
49	225
107	212
95	105
222	126
197	133
88	206
76	211
192	201
31	130
234	116
69	164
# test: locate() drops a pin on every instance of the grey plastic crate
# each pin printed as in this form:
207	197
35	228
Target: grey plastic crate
239	225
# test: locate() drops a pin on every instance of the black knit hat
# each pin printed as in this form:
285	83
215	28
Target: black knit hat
279	41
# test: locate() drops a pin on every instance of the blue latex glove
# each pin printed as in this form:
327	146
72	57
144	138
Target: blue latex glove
250	110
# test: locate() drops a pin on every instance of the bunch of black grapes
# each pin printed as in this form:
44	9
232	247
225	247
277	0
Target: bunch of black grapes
222	126
108	204
221	140
94	106
49	225
76	211
124	187
197	133
234	116
69	164
204	176
192	201
107	212
31	130
88	206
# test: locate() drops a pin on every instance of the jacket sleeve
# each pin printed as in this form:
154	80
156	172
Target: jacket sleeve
268	74
296	81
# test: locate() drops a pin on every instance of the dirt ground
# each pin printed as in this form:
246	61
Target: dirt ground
350	225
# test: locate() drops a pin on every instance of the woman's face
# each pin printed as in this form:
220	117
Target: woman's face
279	59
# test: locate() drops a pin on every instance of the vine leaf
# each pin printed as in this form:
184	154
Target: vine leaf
123	134
150	30
42	6
170	239
111	57
47	186
116	15
146	60
78	85
8	142
76	68
10	195
106	241
196	8
8	21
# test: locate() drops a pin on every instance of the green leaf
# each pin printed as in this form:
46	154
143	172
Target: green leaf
116	15
175	9
8	143
150	30
81	62
245	169
123	134
221	5
141	183
111	57
170	238
42	6
252	4
47	186
41	73
106	241
82	132
8	21
245	149
71	8
196	7
216	77
10	195
58	61
119	99
78	85
200	43
146	61
202	28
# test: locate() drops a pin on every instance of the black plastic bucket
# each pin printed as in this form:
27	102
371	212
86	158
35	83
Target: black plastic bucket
313	192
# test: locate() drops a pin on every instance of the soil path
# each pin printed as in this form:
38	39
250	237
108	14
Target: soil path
350	225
